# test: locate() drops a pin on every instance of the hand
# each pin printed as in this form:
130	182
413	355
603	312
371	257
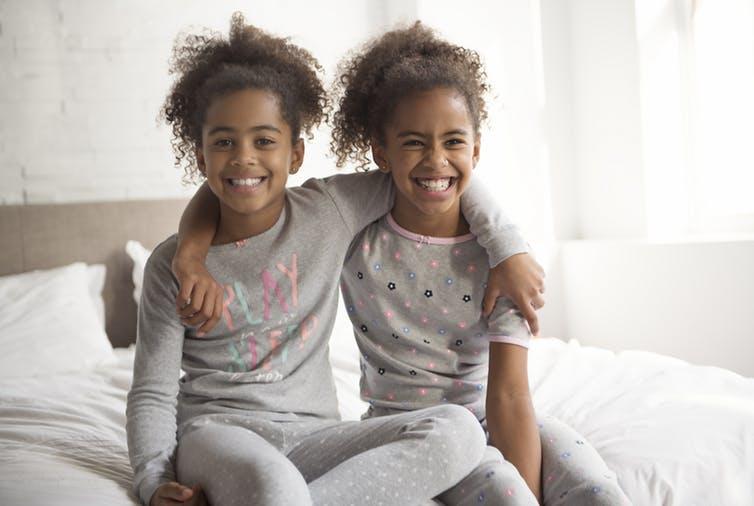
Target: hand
521	279
174	493
200	297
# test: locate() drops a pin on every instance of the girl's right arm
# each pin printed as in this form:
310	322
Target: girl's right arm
200	297
152	400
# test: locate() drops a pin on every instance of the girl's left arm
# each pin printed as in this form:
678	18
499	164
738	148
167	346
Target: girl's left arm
511	421
513	271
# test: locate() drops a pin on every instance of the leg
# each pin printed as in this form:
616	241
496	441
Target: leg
399	459
493	482
573	473
235	466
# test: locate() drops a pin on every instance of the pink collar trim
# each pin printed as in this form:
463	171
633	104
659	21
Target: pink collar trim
426	239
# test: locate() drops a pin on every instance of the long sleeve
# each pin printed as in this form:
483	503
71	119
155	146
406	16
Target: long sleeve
493	229
361	197
151	409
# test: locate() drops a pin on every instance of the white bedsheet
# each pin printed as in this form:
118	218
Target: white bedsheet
676	434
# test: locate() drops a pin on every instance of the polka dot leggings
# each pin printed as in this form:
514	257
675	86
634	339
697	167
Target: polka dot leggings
399	459
573	473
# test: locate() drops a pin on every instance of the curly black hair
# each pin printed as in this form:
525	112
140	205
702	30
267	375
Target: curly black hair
389	68
208	66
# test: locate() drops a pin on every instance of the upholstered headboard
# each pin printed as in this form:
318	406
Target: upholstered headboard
46	236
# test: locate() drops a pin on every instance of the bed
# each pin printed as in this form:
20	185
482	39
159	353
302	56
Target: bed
675	433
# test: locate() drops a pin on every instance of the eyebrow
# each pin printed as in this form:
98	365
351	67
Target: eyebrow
408	133
257	128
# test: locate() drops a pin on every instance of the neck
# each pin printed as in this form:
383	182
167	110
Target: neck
235	226
450	223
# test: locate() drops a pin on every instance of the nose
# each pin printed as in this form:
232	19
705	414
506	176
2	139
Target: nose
436	157
244	155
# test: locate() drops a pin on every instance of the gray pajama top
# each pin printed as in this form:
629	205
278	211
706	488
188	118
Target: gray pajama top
415	303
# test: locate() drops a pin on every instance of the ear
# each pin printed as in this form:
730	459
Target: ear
201	163
477	150
297	155
378	155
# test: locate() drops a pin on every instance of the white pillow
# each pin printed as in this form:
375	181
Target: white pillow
96	281
49	323
139	254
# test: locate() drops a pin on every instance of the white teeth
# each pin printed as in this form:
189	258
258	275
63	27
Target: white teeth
436	185
250	181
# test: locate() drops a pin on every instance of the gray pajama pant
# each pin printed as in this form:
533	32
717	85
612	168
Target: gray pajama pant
399	459
573	473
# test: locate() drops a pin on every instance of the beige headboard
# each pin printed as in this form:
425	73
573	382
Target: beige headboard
46	236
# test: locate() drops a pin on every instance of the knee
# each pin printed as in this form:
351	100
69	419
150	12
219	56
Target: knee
462	434
227	474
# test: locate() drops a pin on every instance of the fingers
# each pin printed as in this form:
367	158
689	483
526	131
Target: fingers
537	302
198	499
204	309
171	492
184	294
216	314
195	300
490	298
531	316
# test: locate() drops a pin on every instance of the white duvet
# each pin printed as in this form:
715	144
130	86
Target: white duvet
675	434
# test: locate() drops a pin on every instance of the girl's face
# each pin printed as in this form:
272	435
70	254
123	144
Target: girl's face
430	149
246	155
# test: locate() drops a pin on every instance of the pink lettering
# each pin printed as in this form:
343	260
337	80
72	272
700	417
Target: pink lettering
292	275
269	284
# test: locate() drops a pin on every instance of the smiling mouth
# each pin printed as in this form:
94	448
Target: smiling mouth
249	182
434	184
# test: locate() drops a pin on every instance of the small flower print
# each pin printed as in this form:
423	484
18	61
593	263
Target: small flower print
428	293
434	264
411	275
459	342
406	330
448	281
391	286
426	341
351	309
381	371
467	298
363	328
442	332
377	267
395	336
360	275
412	372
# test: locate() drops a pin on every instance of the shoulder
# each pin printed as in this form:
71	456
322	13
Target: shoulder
162	256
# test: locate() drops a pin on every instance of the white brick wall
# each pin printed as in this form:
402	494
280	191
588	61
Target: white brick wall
82	81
